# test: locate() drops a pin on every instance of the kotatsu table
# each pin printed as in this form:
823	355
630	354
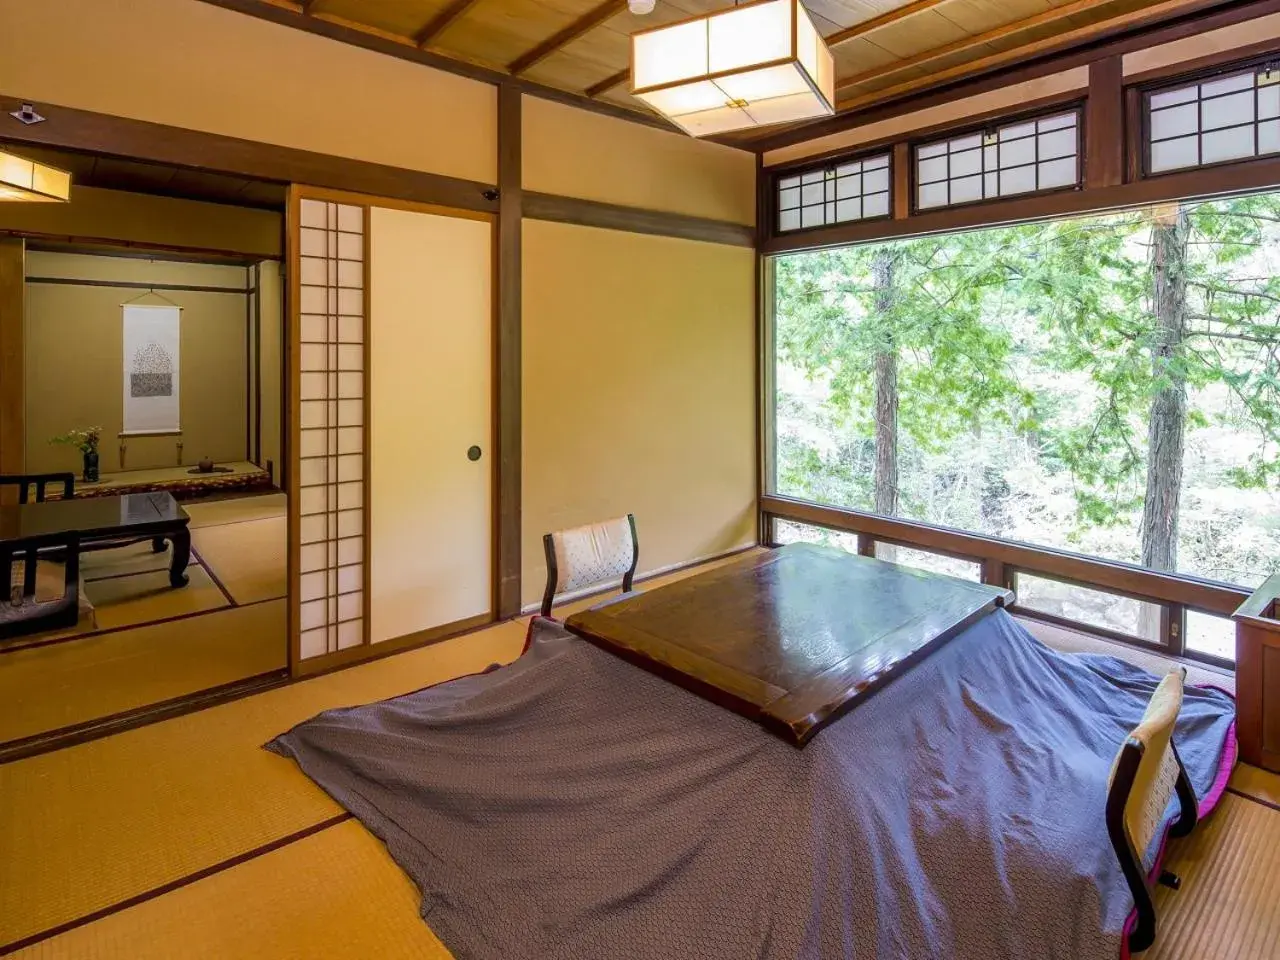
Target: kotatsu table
103	521
793	637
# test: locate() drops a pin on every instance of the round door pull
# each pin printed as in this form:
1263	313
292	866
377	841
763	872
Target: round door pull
473	453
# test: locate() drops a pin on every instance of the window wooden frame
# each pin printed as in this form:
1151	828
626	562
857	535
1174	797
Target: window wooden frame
1145	91
994	125
831	164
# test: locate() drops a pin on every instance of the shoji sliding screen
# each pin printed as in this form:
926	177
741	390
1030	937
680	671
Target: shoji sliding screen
391	477
328	535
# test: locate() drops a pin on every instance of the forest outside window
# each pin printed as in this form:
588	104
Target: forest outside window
1106	385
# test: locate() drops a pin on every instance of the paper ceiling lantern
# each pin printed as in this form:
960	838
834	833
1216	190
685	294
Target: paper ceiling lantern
748	66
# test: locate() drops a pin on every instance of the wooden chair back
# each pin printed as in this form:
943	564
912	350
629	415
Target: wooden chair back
1145	776
39	482
593	554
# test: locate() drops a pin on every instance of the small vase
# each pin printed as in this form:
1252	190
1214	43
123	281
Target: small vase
90	468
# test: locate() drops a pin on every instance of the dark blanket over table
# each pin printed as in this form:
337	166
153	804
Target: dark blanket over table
573	806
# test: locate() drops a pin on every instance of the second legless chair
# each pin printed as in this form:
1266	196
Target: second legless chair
593	554
1144	777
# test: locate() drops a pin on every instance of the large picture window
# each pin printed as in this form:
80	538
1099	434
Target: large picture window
1107	385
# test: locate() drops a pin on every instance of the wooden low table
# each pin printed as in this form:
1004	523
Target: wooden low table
102	520
792	638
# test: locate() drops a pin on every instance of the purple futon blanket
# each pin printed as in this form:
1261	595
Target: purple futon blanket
571	806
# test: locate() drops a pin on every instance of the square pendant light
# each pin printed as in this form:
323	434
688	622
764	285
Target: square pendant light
26	180
747	66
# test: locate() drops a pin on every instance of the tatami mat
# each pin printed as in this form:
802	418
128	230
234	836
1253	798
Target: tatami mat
1259	784
235	510
148	597
332	896
135	599
136	558
87	678
248	557
95	824
1229	904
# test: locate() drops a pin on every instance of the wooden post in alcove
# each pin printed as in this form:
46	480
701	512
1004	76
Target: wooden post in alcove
12	378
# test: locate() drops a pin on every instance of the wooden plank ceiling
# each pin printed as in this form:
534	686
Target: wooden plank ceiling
883	48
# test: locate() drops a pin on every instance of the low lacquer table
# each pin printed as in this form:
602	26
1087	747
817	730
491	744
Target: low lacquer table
103	520
793	637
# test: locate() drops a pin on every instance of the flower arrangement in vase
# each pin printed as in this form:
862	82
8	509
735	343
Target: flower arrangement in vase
86	441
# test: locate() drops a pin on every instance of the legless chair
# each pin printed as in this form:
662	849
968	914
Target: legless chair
589	555
43	595
1144	777
26	482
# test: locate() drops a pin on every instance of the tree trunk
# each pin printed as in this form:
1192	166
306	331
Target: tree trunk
1168	416
886	388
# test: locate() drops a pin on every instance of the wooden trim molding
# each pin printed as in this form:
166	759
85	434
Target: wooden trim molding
1125	579
509	356
13	441
611	216
113	136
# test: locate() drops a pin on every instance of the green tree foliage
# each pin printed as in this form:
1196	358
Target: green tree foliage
1048	332
953	365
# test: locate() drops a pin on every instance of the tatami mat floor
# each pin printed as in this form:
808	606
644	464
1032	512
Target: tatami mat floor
152	642
186	839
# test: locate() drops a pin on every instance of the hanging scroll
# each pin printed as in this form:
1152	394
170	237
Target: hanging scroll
151	368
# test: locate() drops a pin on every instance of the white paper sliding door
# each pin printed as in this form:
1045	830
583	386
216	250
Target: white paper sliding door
431	430
329	369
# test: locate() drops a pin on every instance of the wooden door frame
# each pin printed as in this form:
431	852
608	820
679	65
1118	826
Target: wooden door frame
367	650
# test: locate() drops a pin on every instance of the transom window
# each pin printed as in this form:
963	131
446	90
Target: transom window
853	190
1023	157
1214	120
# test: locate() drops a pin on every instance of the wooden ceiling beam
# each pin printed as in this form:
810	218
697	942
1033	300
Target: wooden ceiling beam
1066	39
608	83
440	21
886	18
584	24
978	40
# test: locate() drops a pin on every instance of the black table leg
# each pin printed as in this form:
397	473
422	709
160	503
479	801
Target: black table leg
158	545
181	554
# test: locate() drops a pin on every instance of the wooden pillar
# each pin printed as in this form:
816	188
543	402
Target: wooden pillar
901	181
12	377
510	226
1104	124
